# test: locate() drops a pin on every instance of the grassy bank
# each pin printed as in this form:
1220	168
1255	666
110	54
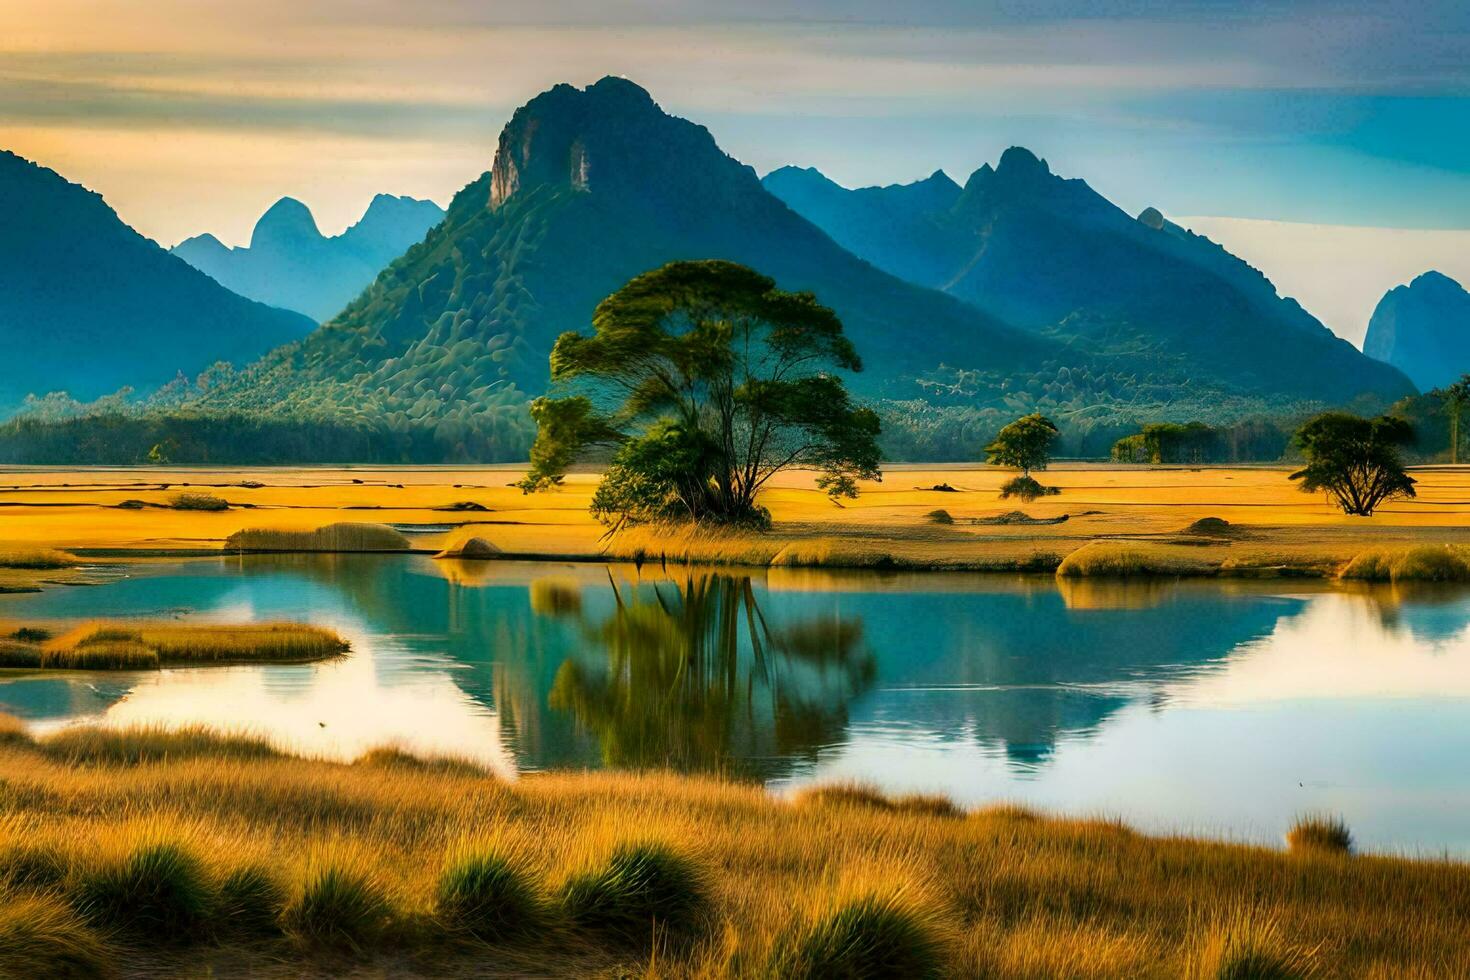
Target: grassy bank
147	646
160	854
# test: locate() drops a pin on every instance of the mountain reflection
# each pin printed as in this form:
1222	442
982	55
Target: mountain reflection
693	677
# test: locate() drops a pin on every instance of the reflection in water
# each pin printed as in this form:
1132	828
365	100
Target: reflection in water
1207	706
694	677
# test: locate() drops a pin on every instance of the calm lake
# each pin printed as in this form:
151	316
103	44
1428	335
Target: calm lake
1204	707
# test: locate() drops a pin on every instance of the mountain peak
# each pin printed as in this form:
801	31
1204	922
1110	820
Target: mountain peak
1436	280
1423	329
1151	218
288	221
1019	160
608	137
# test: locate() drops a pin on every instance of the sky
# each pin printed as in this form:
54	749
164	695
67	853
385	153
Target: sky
1299	115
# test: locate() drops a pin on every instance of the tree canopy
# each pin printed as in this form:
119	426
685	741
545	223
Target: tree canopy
707	380
1025	444
1355	460
1454	397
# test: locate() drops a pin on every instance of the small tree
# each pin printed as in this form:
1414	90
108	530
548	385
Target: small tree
708	380
1025	444
1453	398
1355	460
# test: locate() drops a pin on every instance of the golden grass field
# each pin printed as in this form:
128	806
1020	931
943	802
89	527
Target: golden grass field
1275	527
146	854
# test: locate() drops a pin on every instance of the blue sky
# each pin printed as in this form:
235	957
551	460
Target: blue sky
194	115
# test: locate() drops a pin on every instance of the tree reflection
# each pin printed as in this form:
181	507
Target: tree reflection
694	677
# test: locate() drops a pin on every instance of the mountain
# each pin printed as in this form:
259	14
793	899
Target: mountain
1423	329
291	264
588	188
88	305
1054	256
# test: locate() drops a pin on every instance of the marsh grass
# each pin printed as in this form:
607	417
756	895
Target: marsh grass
863	796
342	537
1127	559
196	500
147	646
160	891
36	559
1421	563
357	855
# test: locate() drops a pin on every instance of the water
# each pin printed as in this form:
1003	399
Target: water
1217	708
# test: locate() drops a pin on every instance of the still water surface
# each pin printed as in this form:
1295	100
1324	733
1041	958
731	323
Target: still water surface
1216	708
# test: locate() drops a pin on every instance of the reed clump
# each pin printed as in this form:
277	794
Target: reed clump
644	892
488	897
345	536
36	559
1421	563
871	938
1320	835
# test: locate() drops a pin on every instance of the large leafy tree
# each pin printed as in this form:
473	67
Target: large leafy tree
1454	398
1355	460
707	380
1025	444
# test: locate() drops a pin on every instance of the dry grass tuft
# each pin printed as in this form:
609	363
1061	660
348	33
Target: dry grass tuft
490	898
1320	835
339	908
147	646
41	937
863	796
1246	946
644	894
36	559
341	537
871	938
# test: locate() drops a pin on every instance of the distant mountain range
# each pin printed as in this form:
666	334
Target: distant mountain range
88	305
1423	329
1054	256
291	264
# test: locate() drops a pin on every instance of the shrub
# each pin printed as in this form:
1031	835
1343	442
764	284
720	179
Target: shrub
489	898
1322	835
642	890
338	910
1119	559
160	891
940	516
198	501
41	937
251	901
1026	488
869	938
345	536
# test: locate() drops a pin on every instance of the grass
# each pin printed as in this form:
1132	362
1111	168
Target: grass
1320	835
871	938
342	537
148	646
1421	563
161	892
195	500
1128	559
289	858
36	559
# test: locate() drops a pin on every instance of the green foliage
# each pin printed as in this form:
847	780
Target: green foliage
1026	488
338	910
1025	444
197	501
251	900
1355	460
709	380
644	891
868	939
1453	398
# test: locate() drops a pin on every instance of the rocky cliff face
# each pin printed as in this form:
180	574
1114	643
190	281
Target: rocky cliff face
1423	329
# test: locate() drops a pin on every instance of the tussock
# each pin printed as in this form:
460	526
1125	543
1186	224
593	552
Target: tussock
1127	559
1422	563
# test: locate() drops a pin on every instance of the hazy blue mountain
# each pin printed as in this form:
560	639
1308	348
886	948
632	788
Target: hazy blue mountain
290	263
1053	255
88	305
1423	329
590	187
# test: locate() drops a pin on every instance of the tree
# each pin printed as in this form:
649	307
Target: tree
1453	398
1025	444
707	380
1355	460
